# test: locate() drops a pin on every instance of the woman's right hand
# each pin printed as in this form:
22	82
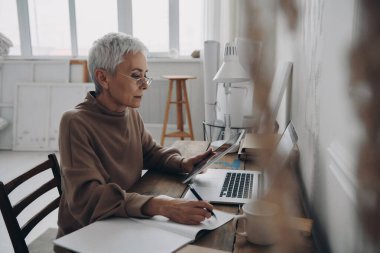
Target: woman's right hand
189	212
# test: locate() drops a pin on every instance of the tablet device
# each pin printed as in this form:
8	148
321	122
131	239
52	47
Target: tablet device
222	150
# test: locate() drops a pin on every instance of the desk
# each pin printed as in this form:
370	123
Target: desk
223	238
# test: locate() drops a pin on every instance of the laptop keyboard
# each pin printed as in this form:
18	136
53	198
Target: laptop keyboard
237	185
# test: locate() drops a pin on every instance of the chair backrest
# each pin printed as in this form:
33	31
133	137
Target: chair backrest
10	212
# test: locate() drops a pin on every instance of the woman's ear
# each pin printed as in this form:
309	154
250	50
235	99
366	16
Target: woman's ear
102	78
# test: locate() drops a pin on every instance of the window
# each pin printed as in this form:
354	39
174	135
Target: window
94	18
49	27
69	27
151	25
9	24
190	26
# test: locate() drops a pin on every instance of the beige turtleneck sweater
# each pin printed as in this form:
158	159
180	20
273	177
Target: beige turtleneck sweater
102	156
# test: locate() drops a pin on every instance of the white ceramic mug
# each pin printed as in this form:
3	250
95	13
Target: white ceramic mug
260	222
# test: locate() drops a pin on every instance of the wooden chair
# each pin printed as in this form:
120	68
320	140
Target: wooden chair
10	212
182	98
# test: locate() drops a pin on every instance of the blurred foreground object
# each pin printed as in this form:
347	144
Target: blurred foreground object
365	84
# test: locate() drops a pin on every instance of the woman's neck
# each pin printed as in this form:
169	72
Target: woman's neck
105	99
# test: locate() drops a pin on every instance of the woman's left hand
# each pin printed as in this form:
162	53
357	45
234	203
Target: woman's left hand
188	163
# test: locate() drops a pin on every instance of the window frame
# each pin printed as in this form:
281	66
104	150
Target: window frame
174	24
24	28
73	28
124	21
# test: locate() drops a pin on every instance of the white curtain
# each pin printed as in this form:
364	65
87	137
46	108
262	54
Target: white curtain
223	20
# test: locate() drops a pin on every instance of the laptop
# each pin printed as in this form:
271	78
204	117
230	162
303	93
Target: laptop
240	186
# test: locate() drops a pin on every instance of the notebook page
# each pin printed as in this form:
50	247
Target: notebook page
189	231
121	235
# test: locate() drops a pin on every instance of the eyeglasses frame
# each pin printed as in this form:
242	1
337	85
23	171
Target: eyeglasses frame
140	81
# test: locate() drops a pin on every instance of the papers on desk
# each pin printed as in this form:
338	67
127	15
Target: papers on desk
157	234
253	145
198	249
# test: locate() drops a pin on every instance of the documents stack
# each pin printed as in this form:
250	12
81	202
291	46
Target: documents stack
253	145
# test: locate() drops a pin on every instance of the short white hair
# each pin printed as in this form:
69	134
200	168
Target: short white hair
108	51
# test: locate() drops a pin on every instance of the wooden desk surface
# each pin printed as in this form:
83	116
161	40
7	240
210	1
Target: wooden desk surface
223	238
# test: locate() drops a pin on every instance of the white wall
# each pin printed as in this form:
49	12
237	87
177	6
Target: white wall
323	113
56	73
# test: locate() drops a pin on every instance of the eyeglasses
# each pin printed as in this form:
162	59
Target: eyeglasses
141	80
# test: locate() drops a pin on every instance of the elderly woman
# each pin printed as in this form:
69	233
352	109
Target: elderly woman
104	145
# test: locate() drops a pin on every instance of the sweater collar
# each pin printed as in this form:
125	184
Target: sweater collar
91	101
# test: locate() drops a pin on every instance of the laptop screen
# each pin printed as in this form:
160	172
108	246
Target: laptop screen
285	146
281	155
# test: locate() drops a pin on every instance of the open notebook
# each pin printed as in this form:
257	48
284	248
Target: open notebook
157	234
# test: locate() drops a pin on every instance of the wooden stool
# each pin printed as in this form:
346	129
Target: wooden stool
181	99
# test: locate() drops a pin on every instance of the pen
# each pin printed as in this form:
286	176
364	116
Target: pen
200	198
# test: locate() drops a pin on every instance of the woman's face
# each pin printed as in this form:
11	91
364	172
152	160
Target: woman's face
123	90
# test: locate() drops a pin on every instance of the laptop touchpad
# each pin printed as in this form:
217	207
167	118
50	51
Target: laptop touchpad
204	180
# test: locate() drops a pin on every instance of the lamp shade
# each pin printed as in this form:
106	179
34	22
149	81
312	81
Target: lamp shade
231	70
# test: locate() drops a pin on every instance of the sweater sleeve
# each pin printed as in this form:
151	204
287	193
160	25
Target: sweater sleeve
157	157
89	194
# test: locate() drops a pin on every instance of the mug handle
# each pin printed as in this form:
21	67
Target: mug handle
240	217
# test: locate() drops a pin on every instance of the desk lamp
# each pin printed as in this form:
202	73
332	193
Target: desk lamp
230	72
